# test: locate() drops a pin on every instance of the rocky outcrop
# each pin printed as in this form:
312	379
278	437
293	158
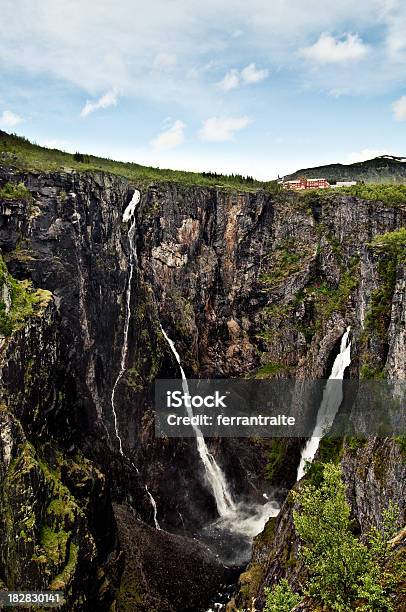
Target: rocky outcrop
164	572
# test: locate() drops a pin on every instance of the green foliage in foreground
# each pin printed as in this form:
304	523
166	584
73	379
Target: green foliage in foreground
344	573
18	301
281	598
30	156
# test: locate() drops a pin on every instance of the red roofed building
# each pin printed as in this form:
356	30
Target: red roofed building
305	183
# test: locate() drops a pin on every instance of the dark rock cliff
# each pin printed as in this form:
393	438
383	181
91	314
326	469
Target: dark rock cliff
246	284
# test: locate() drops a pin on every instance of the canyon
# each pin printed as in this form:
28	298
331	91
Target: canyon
148	280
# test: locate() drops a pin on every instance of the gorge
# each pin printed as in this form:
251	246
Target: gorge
143	280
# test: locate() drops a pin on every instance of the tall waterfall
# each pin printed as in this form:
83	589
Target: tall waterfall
332	398
129	216
224	501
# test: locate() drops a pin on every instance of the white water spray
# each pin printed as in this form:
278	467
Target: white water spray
129	216
332	398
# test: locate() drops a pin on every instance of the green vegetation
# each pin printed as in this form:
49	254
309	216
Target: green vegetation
268	370
388	194
326	299
29	156
344	573
288	257
391	195
11	191
281	598
391	243
54	543
354	443
18	301
275	457
378	538
330	451
61	581
371	171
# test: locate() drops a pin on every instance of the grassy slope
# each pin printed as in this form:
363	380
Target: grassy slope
29	156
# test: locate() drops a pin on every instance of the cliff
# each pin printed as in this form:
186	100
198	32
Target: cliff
254	283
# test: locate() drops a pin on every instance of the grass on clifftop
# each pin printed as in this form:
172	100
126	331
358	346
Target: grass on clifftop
21	152
390	195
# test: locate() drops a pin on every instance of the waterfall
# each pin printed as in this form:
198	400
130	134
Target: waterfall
127	216
332	398
153	504
224	501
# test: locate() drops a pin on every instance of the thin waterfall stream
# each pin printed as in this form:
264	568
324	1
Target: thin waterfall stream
332	398
129	217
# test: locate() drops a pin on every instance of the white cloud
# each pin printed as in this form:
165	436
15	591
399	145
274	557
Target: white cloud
360	156
171	137
120	46
9	119
217	129
108	99
252	74
330	50
247	76
399	109
231	80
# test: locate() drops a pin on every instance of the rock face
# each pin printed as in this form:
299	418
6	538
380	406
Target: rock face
245	284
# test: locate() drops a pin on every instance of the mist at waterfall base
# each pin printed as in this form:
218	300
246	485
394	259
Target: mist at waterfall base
231	535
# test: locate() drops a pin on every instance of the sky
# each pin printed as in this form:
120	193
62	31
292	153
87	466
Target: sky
260	88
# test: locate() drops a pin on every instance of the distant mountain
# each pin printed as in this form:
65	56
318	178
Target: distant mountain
384	169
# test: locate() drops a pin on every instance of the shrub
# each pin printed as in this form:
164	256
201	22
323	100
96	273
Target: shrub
392	243
281	598
25	301
10	191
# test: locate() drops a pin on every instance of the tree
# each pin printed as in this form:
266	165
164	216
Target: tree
281	598
343	572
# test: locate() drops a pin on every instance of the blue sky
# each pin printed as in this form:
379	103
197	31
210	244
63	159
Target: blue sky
259	87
